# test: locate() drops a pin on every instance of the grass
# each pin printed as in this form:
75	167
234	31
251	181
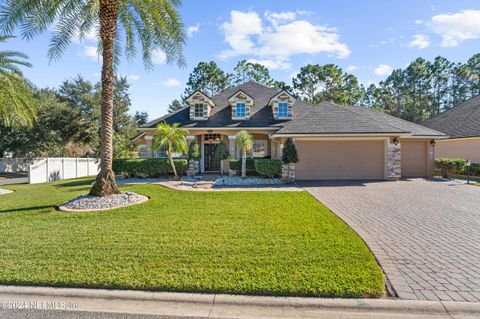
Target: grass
266	243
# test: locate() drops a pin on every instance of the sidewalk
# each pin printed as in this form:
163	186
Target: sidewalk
177	305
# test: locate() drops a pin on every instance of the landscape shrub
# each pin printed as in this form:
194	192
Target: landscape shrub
236	165
450	165
147	167
268	167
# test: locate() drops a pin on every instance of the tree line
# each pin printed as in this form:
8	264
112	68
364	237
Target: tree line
422	90
67	122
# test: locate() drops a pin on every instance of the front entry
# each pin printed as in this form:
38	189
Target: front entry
211	162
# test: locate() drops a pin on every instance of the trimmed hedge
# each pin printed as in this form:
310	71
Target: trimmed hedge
268	167
147	167
236	165
450	165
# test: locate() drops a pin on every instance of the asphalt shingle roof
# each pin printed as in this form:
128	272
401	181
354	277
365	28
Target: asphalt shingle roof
324	118
461	121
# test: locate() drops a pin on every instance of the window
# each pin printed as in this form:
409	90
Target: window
241	112
259	148
282	110
161	153
198	110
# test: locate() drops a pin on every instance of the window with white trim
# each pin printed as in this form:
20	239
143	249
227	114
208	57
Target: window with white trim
282	109
198	110
259	148
161	153
241	110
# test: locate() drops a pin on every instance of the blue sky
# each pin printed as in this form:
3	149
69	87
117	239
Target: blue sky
366	38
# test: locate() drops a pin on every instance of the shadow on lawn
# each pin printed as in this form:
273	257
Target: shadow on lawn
23	209
85	182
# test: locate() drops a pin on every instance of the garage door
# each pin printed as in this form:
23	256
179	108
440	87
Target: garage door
340	160
414	158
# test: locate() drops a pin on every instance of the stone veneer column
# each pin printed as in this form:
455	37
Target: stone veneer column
394	161
193	166
288	172
148	144
231	149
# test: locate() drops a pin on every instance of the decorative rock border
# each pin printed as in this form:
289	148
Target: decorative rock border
5	191
90	202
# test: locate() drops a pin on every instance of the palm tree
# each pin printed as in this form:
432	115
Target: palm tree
155	24
17	107
173	138
245	142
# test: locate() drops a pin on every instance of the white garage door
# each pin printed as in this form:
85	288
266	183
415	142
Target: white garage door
340	160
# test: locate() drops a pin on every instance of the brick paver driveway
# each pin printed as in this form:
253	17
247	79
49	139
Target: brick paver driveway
424	233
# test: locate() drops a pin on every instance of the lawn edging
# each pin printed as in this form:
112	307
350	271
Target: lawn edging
228	300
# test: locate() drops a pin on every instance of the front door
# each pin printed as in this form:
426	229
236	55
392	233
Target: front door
211	163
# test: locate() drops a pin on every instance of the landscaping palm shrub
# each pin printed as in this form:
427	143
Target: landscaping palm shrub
245	141
268	167
173	138
147	167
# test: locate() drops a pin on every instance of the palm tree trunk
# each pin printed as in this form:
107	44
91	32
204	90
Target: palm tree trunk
244	163
105	182
170	159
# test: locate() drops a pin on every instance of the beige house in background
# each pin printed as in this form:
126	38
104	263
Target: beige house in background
462	124
333	142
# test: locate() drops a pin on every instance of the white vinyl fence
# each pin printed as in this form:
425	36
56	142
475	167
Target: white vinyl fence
13	165
56	168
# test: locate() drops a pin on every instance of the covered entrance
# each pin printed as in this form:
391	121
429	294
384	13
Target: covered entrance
211	164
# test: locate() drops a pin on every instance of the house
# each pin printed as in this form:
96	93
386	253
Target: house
333	142
462	124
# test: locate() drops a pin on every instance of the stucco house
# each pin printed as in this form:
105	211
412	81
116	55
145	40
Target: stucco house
333	142
462	124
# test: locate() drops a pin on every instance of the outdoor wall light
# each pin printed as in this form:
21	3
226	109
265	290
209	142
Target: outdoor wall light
433	143
395	140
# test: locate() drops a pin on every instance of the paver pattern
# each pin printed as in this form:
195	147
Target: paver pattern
424	233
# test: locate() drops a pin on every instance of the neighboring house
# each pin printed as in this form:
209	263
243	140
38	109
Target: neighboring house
333	142
462	124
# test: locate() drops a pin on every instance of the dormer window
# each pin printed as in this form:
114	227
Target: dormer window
198	110
241	104
282	110
241	110
200	106
282	105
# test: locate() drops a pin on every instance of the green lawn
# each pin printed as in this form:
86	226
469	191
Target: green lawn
273	243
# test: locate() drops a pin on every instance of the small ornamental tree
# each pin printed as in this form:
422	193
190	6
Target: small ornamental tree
289	154
194	154
222	154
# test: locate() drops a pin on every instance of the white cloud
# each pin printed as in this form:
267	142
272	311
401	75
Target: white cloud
282	35
91	53
455	28
238	31
159	57
171	82
193	29
272	64
419	41
352	68
383	69
133	77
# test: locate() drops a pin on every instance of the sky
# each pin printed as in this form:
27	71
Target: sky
365	38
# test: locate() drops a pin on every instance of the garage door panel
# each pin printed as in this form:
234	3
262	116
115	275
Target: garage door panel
340	160
414	158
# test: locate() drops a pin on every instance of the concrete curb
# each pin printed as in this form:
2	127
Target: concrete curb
219	300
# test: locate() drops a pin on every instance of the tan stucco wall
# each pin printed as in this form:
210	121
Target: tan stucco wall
336	159
467	148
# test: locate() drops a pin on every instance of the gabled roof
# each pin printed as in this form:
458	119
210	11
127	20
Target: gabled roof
461	121
238	92
281	92
324	118
206	97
